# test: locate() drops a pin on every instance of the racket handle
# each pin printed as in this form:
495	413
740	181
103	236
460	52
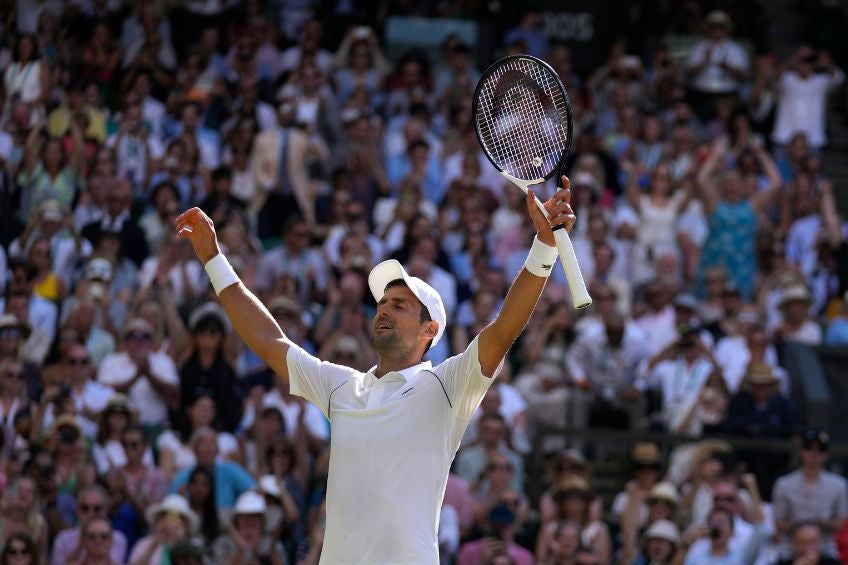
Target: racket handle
579	295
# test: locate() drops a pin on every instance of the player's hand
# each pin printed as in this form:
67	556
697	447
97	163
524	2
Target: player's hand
196	226
559	212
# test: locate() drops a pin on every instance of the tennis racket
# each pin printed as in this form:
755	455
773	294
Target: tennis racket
522	116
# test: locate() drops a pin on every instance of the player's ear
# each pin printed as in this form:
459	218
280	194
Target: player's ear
431	329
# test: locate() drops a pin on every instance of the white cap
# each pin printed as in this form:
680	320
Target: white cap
391	270
250	502
663	529
173	503
98	268
269	485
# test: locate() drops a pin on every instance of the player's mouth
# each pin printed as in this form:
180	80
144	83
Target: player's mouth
383	327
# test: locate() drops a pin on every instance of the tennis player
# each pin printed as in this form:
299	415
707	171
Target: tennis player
396	428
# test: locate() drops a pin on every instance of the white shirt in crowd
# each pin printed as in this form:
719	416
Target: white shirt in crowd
713	78
801	106
117	369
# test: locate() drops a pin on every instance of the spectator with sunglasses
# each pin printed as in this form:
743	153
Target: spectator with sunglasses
96	540
19	550
811	494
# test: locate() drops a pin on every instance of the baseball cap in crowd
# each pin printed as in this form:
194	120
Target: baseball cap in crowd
760	374
10	321
686	301
209	312
98	268
794	292
665	530
585	179
719	18
392	270
813	437
573	456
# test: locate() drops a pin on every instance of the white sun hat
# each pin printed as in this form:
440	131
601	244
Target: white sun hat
391	270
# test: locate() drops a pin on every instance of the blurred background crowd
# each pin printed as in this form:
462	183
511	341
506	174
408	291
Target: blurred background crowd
324	137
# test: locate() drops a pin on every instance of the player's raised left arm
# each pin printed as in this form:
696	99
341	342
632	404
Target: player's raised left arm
496	338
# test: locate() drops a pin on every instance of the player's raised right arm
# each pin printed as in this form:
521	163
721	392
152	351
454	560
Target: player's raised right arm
248	315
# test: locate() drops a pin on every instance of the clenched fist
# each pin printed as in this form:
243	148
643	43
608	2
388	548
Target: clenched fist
199	229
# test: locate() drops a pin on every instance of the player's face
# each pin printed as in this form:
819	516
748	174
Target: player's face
398	324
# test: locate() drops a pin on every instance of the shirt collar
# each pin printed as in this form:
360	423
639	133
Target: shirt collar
400	376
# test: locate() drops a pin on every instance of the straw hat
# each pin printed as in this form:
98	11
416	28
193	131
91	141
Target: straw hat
794	292
572	485
761	374
646	453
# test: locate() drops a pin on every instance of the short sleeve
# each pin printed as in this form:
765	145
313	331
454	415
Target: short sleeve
464	381
313	379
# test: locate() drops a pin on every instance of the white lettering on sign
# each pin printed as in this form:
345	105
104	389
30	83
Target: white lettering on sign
568	26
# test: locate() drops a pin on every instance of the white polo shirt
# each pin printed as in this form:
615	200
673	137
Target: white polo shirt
392	443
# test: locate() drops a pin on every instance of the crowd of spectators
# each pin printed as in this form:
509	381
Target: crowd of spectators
137	428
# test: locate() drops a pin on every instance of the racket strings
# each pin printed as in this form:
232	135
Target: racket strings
523	119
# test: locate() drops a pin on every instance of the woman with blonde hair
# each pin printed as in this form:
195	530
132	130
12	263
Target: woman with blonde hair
19	514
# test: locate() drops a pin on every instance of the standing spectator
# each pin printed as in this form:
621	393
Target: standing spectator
604	362
26	80
812	494
807	76
717	65
797	324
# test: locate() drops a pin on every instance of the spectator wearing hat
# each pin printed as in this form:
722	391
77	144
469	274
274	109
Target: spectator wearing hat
567	464
108	452
499	537
207	364
660	544
646	464
69	545
574	497
717	64
811	494
642	514
247	540
759	408
806	544
64	440
797	324
148	378
170	521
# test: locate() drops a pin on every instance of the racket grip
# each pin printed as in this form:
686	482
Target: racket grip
579	295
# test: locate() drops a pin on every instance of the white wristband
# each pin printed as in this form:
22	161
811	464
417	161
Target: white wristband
221	273
540	261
